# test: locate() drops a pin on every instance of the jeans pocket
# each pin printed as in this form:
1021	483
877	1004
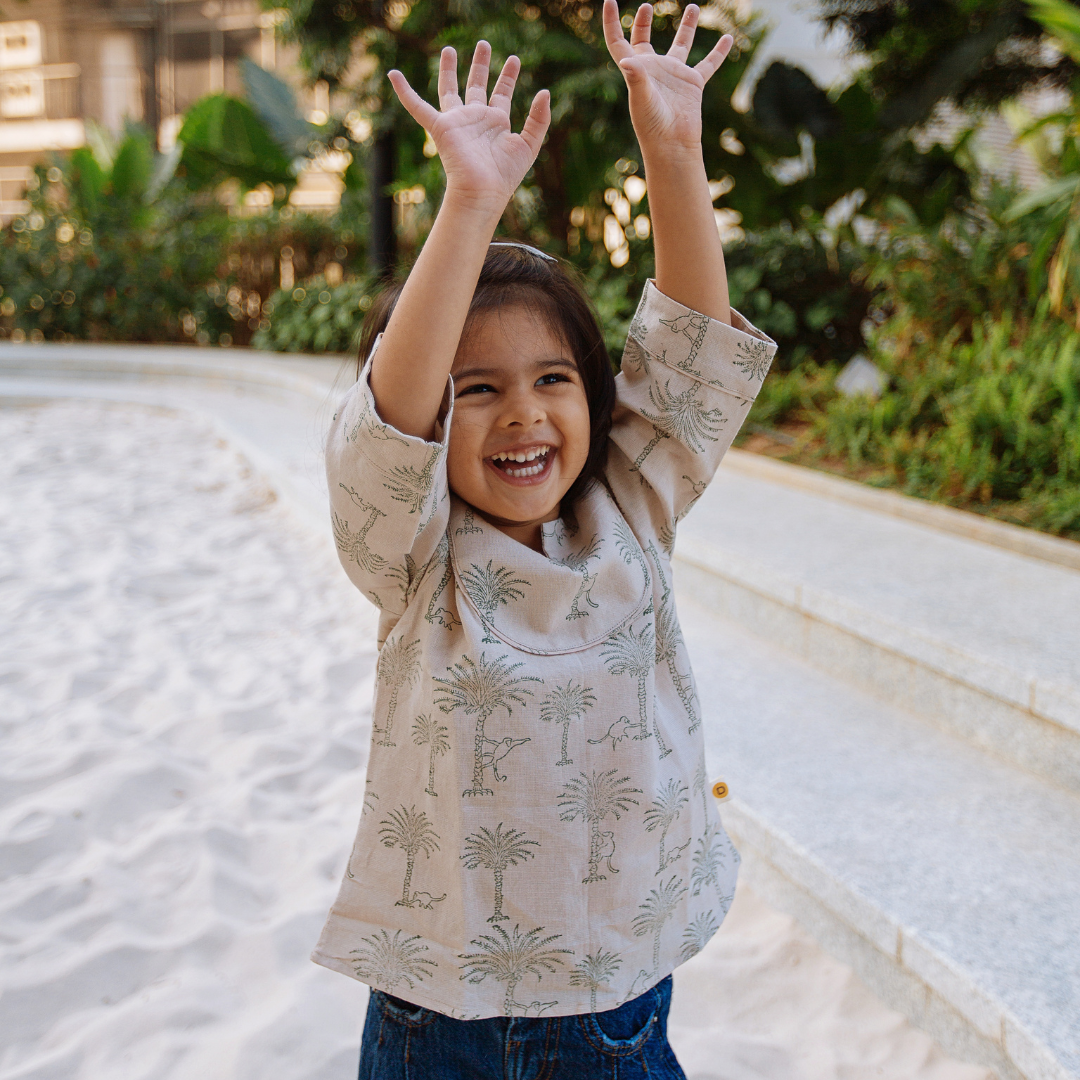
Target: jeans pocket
623	1031
403	1012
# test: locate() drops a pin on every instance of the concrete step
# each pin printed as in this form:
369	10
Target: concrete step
948	878
980	640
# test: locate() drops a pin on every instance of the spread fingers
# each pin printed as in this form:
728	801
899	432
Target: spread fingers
448	85
504	86
476	84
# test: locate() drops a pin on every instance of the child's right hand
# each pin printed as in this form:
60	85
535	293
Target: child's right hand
484	160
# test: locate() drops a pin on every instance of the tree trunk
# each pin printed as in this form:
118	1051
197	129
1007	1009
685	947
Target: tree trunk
498	915
594	854
390	710
508	1001
565	732
478	760
406	900
431	772
382	244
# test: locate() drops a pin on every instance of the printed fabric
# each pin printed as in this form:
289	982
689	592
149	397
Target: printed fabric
538	835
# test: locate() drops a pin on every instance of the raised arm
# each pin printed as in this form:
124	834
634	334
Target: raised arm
484	162
665	107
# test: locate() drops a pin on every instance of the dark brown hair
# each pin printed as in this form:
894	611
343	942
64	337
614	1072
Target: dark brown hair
551	290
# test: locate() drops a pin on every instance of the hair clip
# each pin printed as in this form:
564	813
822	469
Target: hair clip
524	247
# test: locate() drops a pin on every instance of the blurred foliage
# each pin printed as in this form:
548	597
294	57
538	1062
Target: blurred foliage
805	294
316	317
116	248
982	407
795	148
974	53
1055	141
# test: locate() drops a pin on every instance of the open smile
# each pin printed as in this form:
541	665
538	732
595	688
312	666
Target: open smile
529	466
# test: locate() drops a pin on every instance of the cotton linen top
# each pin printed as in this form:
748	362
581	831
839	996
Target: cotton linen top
538	834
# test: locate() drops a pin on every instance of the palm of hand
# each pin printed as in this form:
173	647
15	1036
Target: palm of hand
483	158
667	105
479	151
665	92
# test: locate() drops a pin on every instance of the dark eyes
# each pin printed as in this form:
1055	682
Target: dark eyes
550	379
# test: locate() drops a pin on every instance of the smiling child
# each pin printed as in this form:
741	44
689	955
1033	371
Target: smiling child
538	848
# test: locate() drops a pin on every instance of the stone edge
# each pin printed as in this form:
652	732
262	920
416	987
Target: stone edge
948	519
904	971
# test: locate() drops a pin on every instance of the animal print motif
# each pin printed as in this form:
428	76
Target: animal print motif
538	834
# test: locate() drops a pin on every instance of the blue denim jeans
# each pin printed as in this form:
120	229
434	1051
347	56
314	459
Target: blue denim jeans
405	1042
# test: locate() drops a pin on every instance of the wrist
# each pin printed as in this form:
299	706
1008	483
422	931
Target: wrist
674	159
481	207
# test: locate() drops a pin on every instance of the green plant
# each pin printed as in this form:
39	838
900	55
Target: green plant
315	317
991	421
800	292
1059	199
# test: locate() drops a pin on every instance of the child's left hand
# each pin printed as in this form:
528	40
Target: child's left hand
665	93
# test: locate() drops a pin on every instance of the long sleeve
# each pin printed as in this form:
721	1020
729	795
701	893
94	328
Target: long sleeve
389	499
686	386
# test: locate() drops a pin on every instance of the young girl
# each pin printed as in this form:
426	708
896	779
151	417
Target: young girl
538	848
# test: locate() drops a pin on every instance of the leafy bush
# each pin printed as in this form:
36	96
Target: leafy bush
315	317
801	293
114	250
982	407
992	421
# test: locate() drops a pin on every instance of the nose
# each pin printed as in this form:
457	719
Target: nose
522	407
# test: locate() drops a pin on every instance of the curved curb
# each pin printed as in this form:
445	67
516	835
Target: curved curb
948	519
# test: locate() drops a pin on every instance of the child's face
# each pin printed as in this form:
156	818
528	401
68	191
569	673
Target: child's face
517	392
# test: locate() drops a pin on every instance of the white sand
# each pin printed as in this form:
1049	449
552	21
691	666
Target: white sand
184	684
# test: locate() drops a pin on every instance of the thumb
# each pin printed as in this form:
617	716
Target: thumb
632	70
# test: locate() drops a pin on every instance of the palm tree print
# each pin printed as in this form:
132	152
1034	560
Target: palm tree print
701	786
398	666
563	705
508	958
579	562
409	485
441	615
480	689
468	523
489	587
693	326
353	545
629	549
392	961
657	909
634	654
680	416
432	734
708	860
666	535
665	808
495	851
669	640
593	798
594	972
411	831
635	356
696	936
754	361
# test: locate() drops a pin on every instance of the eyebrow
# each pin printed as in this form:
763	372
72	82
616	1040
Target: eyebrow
475	372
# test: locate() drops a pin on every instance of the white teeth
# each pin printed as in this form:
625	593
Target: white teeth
521	455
